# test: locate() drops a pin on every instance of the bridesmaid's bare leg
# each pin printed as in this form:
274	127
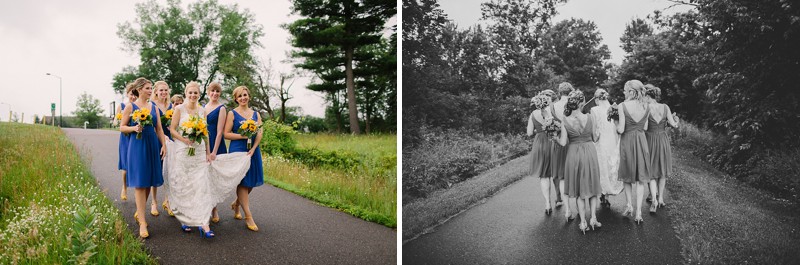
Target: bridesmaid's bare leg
593	203
559	195
140	195
567	214
124	195
639	195
154	203
661	183
581	210
653	189
544	184
628	189
243	193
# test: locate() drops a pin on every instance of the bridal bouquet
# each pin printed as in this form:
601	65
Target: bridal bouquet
142	117
613	112
247	129
194	129
552	127
167	118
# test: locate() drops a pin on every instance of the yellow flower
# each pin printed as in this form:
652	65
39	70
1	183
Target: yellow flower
201	125
168	114
119	116
252	127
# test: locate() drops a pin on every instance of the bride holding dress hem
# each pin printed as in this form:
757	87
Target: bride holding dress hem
198	183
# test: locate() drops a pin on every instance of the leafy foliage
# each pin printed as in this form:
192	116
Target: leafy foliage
88	110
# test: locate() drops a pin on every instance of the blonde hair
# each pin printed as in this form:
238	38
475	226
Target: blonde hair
214	86
601	94
139	84
176	97
238	91
565	88
158	84
637	87
192	84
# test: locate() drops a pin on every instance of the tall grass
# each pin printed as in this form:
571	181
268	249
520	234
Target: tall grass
51	210
367	190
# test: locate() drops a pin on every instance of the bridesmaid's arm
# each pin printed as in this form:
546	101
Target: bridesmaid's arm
562	139
673	121
620	117
126	117
161	137
258	135
530	125
595	127
221	120
229	134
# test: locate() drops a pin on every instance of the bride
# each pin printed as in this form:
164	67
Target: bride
607	147
198	183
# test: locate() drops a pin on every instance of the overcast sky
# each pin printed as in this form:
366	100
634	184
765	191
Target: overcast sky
78	41
610	16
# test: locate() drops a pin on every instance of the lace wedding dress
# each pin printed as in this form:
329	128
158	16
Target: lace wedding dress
607	151
196	186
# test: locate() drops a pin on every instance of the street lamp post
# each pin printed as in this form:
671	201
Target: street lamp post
60	114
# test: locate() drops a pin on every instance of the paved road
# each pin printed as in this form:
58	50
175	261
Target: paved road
293	230
511	228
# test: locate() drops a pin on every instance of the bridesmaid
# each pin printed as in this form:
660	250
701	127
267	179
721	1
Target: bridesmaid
177	100
255	175
659	144
216	123
540	152
553	98
581	171
123	144
559	153
144	155
634	155
160	99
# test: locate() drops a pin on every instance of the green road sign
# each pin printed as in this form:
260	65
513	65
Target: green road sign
52	106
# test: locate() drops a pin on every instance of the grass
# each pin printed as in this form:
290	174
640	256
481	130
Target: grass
51	210
421	216
721	220
367	191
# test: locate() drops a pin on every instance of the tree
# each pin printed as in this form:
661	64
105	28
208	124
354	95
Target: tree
634	31
122	79
573	49
88	109
282	91
343	25
204	42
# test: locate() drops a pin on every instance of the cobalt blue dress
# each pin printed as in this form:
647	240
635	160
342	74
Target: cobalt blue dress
212	118
123	147
144	158
164	127
255	175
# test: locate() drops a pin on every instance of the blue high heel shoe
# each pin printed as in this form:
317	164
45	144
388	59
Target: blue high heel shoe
205	234
186	228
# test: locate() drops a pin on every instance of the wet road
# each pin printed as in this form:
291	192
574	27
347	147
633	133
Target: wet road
511	228
292	229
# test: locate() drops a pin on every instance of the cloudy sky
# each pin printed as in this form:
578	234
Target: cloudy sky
78	41
610	16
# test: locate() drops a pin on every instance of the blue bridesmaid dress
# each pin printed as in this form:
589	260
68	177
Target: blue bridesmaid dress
144	158
164	127
123	147
255	175
212	118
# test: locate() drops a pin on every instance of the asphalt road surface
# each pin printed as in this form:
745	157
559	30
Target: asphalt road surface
511	228
292	229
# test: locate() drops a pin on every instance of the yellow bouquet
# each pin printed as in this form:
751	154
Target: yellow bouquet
247	129
194	129
142	117
118	118
167	118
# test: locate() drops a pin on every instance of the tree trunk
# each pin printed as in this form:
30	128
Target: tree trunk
283	110
351	91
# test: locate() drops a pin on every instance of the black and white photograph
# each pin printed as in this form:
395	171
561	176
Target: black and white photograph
600	132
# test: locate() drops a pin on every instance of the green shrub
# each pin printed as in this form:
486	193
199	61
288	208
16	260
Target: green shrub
332	159
277	138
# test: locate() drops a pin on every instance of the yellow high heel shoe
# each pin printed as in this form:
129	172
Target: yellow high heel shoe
252	227
136	218
143	233
124	196
166	208
235	208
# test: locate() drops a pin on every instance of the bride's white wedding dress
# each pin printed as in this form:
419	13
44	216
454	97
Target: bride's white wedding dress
196	186
607	151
